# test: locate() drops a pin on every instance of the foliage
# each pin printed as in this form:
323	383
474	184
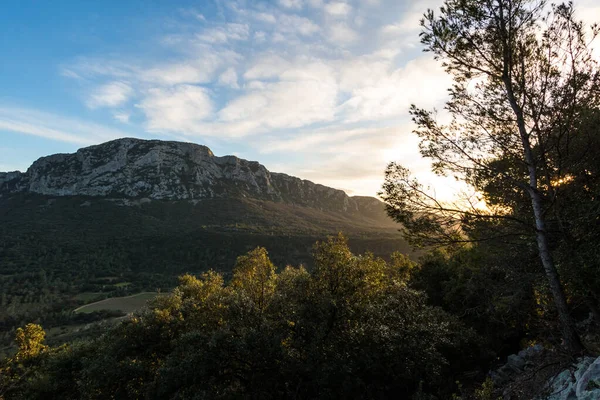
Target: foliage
486	392
57	255
350	329
525	89
23	367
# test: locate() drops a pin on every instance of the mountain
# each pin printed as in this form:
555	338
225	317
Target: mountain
163	170
131	215
156	200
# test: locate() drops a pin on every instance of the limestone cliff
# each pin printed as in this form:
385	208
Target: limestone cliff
165	170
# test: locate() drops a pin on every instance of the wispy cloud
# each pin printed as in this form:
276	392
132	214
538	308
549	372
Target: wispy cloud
296	24
338	9
292	4
112	94
324	80
178	109
223	34
122	117
51	126
350	158
341	33
229	78
379	91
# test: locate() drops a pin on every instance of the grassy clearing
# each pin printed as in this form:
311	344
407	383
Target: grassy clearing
87	296
126	304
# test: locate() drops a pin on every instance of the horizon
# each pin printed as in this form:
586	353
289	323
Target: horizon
310	88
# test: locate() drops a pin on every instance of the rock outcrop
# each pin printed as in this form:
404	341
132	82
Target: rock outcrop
165	170
580	382
542	374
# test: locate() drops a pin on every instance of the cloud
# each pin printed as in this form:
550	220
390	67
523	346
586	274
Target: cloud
341	33
338	9
195	71
110	95
51	126
198	64
296	25
122	117
353	159
293	4
379	91
303	95
177	109
229	78
191	12
265	17
260	36
267	66
315	3
404	31
69	74
231	31
324	139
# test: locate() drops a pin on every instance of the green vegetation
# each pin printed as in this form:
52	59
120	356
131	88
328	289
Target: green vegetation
351	328
57	255
127	304
88	297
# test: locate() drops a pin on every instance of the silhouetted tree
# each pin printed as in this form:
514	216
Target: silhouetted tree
524	80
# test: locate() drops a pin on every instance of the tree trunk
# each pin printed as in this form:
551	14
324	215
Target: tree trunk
570	336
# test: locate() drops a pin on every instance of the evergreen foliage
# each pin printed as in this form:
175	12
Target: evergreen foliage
523	104
352	328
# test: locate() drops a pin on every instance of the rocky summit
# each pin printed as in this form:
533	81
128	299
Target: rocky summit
167	170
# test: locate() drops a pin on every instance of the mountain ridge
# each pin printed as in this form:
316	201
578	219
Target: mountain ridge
170	170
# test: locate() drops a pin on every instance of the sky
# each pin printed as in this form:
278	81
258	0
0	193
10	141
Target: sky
317	89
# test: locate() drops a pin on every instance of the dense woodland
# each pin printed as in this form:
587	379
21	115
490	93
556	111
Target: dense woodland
512	264
349	328
57	255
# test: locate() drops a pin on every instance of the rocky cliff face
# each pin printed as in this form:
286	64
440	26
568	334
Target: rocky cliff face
164	170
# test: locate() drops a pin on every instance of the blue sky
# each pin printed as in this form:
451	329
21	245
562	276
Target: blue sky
314	88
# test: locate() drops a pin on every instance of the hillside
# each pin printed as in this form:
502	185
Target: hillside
131	215
131	189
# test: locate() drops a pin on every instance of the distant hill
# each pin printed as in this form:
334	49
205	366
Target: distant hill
150	190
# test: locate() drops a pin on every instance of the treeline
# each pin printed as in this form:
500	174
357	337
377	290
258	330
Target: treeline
49	295
352	328
355	326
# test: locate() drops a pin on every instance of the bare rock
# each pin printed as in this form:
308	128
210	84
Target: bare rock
164	170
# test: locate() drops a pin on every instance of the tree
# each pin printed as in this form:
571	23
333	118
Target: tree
254	275
14	371
524	80
30	342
